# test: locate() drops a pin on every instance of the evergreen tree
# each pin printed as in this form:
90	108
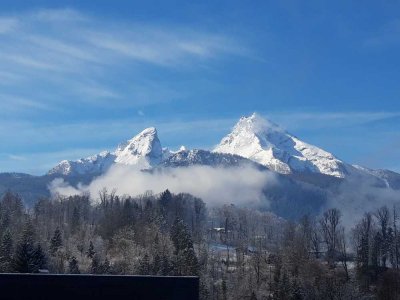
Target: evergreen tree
75	220
180	236
128	213
95	268
80	248
27	257
73	267
144	266
296	291
165	266
6	248
186	261
90	252
106	267
40	257
157	263
165	199
5	219
12	208
224	290
23	259
56	241
6	245
284	289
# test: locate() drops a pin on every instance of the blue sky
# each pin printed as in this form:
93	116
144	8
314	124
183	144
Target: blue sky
77	77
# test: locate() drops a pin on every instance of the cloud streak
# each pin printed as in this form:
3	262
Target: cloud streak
97	41
59	50
8	24
321	120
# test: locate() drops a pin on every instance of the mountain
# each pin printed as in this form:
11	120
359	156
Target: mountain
391	179
307	177
266	143
143	150
253	140
95	164
185	158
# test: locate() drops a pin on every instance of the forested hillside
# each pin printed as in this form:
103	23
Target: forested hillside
238	253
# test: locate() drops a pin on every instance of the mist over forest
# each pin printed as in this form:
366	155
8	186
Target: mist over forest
238	252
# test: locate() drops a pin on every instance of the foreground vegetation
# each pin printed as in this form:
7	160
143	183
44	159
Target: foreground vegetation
238	253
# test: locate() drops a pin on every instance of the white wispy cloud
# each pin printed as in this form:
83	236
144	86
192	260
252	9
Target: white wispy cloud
12	103
29	61
58	15
96	91
65	48
17	157
95	39
8	24
142	43
320	120
7	78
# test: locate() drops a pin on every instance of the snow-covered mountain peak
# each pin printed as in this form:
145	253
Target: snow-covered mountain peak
150	132
252	138
182	148
267	143
143	150
257	125
95	164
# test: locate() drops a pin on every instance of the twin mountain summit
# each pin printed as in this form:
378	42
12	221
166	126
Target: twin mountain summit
308	176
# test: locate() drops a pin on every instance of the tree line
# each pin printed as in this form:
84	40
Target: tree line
238	253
